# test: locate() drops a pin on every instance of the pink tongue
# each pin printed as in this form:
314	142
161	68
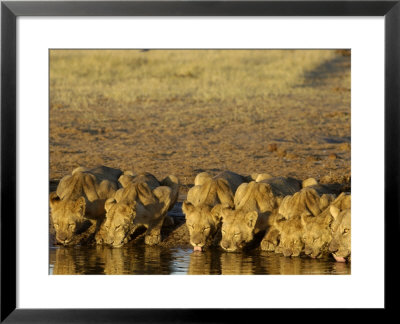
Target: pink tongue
197	248
339	259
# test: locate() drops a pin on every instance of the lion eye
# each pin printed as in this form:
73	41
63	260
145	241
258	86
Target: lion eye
236	234
346	230
206	228
71	225
117	227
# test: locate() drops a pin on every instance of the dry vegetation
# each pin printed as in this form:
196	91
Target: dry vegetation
185	111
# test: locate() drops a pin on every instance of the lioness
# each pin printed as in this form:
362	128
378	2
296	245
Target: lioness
203	205
255	209
318	230
79	201
340	246
254	204
137	205
290	237
286	233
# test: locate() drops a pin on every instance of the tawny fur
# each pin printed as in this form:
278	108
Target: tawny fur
134	206
204	202
79	201
255	205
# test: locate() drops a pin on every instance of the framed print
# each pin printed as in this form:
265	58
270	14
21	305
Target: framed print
295	102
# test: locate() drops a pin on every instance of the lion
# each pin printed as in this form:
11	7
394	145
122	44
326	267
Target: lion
203	222
254	204
78	202
286	232
137	205
340	245
239	228
290	237
203	205
318	230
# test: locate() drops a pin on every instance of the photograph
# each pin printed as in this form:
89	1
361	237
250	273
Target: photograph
199	161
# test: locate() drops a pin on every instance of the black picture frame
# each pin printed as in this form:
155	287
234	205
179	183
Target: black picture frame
10	10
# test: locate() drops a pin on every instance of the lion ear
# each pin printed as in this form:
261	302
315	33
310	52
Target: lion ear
187	207
251	219
334	211
80	206
54	199
109	203
216	212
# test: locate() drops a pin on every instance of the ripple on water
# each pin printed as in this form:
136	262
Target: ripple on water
141	259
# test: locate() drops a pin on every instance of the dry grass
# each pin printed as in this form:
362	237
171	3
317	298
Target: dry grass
181	111
83	78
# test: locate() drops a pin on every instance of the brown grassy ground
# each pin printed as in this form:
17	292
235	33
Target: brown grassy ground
181	112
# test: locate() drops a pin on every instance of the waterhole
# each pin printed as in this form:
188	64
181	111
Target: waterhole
136	258
142	259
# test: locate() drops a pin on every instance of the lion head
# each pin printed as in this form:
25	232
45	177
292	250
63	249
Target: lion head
202	221
237	228
118	225
340	245
68	218
317	234
290	237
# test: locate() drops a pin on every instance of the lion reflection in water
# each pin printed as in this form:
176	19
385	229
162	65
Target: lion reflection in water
104	260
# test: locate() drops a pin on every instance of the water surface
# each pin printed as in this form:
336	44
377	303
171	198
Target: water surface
141	259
